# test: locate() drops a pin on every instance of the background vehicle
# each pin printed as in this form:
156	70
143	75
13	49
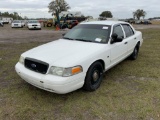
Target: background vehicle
70	19
33	24
67	20
23	22
17	24
48	23
1	23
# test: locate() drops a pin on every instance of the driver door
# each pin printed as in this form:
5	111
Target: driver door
118	49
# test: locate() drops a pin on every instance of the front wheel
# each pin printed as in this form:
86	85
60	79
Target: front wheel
94	77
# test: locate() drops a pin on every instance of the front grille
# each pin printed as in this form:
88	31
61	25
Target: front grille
34	25
36	65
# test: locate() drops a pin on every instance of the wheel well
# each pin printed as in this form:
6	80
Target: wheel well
138	45
102	62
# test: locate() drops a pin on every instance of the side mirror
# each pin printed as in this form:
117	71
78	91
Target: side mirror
115	38
63	34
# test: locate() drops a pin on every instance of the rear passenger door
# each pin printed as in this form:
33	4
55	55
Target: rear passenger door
130	37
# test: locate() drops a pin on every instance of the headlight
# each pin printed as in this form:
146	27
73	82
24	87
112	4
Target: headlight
21	60
65	72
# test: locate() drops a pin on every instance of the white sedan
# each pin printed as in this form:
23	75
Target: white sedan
1	23
81	57
17	24
33	24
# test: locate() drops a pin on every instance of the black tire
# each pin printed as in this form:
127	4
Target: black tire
134	55
49	25
94	77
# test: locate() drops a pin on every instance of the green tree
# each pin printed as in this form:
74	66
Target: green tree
6	14
106	14
89	17
13	15
57	6
25	18
139	13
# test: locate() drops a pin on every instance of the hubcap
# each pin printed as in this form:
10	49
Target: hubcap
95	76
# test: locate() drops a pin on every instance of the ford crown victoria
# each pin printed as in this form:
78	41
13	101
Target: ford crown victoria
1	23
16	24
81	57
34	24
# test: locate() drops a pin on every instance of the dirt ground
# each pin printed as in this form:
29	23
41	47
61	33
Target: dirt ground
23	35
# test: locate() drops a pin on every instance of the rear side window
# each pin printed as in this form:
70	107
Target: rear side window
128	30
118	31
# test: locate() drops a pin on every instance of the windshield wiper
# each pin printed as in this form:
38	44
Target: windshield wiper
84	40
68	38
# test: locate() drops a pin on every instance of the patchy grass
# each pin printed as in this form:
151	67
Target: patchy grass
130	90
155	22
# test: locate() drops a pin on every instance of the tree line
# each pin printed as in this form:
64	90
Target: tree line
57	6
13	15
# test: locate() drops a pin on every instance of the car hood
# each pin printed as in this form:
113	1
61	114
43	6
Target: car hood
64	53
16	23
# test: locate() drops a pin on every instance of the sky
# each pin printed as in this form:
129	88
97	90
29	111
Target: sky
120	8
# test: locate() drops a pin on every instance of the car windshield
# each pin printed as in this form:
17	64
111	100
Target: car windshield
89	33
34	21
16	21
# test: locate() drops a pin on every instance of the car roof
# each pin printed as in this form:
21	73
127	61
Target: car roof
106	22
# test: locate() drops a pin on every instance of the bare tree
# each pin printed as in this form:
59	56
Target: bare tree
57	6
139	13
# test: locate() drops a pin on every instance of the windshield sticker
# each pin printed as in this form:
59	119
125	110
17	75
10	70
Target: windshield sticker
98	39
106	28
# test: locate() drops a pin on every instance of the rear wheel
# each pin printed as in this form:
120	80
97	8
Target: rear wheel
94	77
134	55
49	25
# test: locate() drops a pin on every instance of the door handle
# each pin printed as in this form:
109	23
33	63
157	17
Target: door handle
126	43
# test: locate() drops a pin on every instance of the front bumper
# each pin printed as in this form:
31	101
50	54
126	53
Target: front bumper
56	84
34	27
16	26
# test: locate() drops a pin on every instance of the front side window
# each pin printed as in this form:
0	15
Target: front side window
118	30
89	33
